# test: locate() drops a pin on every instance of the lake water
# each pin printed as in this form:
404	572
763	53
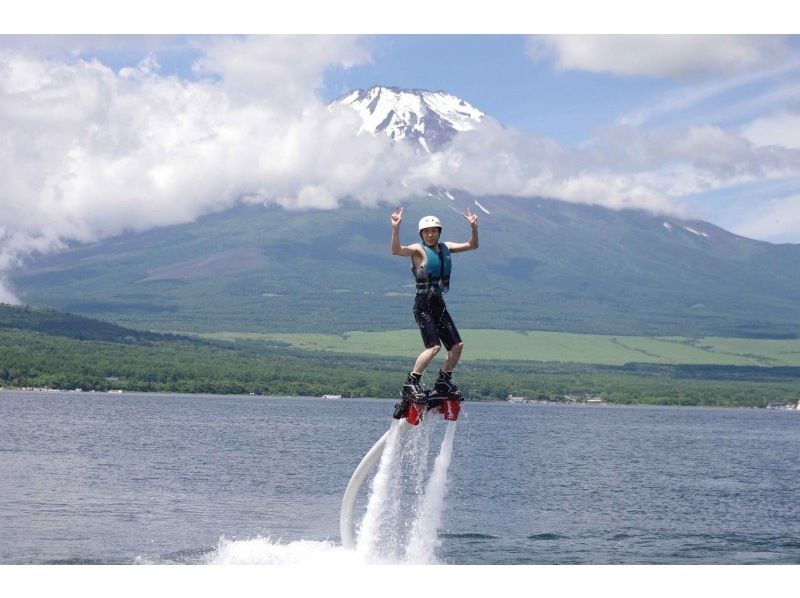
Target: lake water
98	478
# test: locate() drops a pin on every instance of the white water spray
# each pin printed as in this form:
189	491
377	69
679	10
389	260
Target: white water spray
369	530
404	510
424	534
406	500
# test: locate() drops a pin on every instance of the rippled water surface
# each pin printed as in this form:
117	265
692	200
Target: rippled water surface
96	478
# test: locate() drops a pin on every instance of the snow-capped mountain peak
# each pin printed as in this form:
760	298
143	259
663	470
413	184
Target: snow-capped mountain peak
429	118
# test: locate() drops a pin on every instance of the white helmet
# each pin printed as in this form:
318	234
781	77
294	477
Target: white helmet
429	222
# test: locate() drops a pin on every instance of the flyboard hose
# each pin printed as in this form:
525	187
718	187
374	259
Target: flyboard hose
356	481
448	407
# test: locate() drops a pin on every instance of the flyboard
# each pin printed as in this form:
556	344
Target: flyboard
409	413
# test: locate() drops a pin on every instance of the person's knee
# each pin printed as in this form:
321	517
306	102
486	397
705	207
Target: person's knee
458	347
434	349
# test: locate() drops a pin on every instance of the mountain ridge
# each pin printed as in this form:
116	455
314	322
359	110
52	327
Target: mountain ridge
543	264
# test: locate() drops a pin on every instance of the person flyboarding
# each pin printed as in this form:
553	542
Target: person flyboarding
431	265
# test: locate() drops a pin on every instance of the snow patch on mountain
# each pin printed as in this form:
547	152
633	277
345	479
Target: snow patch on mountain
696	232
428	118
477	203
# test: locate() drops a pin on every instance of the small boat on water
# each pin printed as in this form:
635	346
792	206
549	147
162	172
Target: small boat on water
784	406
513	399
333	397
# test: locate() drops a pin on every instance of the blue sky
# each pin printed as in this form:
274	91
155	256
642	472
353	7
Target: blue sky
492	72
495	74
173	127
570	103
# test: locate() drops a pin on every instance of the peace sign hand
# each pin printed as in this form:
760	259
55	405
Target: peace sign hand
397	216
471	218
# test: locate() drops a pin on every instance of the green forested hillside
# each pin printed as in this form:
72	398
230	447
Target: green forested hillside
65	358
55	323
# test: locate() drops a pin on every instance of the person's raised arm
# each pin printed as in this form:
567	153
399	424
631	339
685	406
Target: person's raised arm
397	249
473	239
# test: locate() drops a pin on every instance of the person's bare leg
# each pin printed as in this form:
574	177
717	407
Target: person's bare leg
425	358
453	356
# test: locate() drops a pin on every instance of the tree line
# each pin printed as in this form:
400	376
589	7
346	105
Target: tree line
178	364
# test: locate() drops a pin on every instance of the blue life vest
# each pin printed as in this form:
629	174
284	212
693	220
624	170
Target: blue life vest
434	278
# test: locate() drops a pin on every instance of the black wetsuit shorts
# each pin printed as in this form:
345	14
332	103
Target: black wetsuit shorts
434	321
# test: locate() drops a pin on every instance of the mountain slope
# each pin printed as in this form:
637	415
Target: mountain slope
542	264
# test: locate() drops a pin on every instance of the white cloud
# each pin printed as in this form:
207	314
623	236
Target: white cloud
777	220
718	100
88	152
622	167
496	160
710	151
659	55
279	68
781	129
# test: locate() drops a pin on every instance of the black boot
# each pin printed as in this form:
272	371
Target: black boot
444	386
412	392
412	389
400	409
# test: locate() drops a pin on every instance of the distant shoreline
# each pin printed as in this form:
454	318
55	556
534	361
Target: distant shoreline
133	393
